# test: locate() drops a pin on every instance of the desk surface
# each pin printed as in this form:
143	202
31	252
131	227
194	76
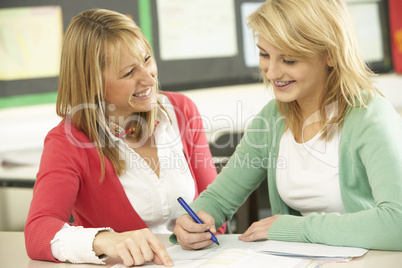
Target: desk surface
13	255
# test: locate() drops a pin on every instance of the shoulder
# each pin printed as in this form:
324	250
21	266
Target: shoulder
67	135
378	119
378	110
271	108
268	117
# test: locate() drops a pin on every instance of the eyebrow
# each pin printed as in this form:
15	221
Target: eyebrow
130	66
281	55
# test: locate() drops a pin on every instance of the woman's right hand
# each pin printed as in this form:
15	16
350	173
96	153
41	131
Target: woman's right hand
192	235
133	247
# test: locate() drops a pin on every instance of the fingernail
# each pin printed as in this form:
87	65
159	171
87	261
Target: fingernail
170	263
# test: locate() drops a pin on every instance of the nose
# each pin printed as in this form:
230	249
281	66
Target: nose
147	75
271	69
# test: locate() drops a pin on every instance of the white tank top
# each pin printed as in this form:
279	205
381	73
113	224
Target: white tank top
307	175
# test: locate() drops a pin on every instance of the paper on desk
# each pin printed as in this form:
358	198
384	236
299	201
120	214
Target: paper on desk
240	258
309	250
225	242
177	264
234	253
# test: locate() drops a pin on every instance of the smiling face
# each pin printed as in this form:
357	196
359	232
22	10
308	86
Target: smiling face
294	78
131	88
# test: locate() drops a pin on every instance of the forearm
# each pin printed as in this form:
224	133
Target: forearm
376	228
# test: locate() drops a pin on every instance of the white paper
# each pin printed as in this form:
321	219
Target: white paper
309	250
194	29
240	258
225	242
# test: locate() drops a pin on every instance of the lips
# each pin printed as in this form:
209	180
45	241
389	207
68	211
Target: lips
142	94
282	83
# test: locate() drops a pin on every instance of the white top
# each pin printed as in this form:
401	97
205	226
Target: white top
153	198
307	174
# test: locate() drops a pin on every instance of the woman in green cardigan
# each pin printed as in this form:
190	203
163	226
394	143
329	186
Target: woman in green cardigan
329	144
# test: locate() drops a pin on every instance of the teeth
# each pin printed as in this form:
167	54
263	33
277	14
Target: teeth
146	93
281	84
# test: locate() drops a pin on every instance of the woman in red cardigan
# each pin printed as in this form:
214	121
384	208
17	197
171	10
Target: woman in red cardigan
122	154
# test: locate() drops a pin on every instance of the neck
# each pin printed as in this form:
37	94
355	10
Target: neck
123	120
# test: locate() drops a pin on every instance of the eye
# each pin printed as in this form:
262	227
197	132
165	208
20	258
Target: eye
289	62
264	55
129	74
147	59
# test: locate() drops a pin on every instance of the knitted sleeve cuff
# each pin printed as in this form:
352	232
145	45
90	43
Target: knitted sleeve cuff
287	228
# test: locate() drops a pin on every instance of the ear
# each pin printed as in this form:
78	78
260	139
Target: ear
330	62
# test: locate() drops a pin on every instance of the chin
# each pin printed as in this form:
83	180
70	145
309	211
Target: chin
284	97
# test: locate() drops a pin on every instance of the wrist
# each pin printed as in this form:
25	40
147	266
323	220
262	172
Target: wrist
99	241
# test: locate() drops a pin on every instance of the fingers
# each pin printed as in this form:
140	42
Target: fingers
258	230
135	247
134	251
161	255
198	244
191	235
254	232
207	219
188	224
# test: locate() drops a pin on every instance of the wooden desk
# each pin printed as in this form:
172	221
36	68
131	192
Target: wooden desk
13	255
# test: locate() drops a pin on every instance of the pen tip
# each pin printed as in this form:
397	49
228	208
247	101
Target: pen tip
217	243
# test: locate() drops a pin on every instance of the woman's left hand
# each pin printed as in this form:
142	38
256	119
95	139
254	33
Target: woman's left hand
258	230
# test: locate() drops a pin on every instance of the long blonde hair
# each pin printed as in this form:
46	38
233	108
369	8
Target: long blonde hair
92	42
305	28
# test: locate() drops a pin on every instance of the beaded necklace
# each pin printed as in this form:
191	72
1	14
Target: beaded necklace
120	132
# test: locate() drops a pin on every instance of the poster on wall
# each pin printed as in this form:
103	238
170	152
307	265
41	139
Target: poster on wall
188	30
30	42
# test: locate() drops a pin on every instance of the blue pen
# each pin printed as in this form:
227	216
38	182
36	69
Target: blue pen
195	217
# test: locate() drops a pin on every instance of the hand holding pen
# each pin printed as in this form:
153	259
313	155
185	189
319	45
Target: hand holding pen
179	230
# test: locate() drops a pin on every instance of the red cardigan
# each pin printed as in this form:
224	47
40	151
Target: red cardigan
68	181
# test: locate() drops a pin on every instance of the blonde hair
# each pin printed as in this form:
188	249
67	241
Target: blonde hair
92	42
304	28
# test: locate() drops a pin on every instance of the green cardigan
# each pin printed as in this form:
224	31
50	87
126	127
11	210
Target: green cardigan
370	174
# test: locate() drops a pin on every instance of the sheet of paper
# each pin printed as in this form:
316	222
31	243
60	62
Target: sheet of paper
194	29
309	250
239	258
30	42
225	242
177	264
